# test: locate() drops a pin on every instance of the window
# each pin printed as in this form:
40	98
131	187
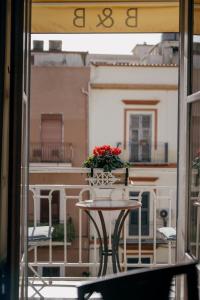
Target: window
51	137
134	260
44	207
51	271
195	50
193	233
140	132
133	219
193	102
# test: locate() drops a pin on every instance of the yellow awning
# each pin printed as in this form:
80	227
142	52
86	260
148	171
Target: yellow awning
62	16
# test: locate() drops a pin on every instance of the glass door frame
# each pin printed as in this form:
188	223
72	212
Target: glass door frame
183	134
13	189
186	97
192	98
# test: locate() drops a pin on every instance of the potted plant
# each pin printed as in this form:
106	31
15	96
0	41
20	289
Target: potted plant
58	233
107	159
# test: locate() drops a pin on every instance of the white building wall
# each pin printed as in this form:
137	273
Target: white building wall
106	109
135	74
107	123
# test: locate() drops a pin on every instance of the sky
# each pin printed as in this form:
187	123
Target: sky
100	43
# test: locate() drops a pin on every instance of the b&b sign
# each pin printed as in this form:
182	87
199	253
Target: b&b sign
105	18
100	18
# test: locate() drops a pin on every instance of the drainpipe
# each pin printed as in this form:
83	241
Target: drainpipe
86	93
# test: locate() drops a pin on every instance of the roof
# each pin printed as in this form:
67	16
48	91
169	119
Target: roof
127	64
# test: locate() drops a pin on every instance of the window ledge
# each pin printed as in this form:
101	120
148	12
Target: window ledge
49	167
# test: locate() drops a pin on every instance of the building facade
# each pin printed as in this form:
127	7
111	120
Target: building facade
14	54
78	102
58	141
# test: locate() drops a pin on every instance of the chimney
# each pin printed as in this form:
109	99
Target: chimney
55	46
38	46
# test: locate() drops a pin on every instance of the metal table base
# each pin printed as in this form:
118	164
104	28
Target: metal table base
105	252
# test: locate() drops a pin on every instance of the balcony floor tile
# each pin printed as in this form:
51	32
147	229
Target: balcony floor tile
57	290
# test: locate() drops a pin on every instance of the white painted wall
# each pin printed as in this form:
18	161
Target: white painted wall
106	109
106	120
134	74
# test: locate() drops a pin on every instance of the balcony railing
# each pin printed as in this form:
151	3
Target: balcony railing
51	152
144	152
80	257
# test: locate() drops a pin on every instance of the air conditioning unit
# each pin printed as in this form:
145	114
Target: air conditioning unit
163	216
162	213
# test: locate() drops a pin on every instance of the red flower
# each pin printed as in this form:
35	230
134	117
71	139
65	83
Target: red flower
106	149
96	151
105	157
101	151
116	151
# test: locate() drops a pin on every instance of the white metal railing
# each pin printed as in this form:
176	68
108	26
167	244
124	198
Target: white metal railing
161	251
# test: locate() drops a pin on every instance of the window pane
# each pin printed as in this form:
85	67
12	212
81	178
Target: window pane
196	49
146	135
134	136
135	121
134	260
133	220
145	201
140	138
51	272
194	200
146	121
134	152
146	153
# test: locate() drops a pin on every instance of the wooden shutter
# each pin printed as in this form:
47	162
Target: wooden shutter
51	137
51	128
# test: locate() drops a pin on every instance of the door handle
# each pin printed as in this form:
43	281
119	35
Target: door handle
196	203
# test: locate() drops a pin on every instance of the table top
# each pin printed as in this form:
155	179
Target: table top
102	204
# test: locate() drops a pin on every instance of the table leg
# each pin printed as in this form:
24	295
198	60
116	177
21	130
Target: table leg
103	240
116	238
105	252
100	241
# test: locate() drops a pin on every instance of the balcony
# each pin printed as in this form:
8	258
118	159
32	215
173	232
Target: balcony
145	153
59	264
51	152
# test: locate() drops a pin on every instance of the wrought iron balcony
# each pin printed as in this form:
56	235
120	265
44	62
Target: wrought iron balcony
144	152
51	152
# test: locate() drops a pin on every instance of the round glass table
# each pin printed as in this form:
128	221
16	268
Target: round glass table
101	205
